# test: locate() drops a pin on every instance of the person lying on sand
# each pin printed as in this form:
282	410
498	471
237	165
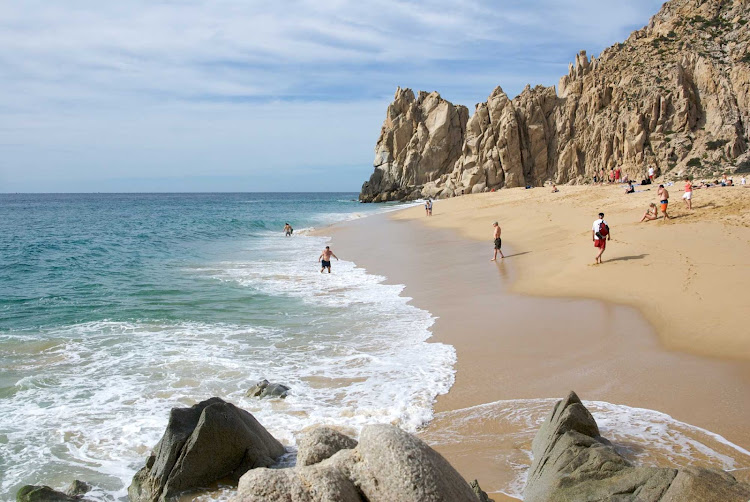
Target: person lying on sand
651	213
664	195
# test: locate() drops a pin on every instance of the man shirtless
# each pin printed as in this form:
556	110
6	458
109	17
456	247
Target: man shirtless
664	196
498	242
325	259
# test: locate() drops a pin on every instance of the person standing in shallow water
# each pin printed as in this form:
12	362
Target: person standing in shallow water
498	242
600	234
288	230
325	259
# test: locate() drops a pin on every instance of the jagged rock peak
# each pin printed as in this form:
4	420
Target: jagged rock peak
420	141
674	96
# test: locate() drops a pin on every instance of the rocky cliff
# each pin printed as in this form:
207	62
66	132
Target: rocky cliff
419	143
675	95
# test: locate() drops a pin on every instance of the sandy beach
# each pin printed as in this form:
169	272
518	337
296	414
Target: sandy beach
659	325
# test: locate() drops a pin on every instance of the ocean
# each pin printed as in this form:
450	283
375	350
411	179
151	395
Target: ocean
115	308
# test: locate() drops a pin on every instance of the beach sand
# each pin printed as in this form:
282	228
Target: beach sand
659	325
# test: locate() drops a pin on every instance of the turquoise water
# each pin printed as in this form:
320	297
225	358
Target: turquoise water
116	307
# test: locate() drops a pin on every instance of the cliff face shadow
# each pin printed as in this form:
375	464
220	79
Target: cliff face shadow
628	258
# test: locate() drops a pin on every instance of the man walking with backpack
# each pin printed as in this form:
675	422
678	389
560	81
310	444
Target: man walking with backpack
600	234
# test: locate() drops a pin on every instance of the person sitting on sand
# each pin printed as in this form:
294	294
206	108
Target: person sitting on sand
554	188
651	213
325	259
498	241
688	195
600	234
664	195
630	188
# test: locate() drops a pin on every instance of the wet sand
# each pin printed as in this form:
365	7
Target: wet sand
511	346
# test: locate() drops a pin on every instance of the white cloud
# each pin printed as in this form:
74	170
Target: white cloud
164	70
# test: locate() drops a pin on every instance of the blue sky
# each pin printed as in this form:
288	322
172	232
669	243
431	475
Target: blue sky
225	95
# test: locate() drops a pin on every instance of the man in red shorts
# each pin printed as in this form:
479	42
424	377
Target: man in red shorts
600	234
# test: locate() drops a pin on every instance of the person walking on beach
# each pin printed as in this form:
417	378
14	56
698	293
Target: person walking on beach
651	174
288	230
498	242
325	259
688	195
664	195
429	207
600	234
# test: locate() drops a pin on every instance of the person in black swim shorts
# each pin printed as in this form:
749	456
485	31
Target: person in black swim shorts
498	241
325	259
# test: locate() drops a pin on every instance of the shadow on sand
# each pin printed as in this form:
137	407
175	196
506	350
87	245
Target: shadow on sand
516	254
628	258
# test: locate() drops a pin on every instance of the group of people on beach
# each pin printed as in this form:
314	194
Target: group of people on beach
652	213
615	176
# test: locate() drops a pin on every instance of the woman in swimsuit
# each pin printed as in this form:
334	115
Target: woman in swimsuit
650	214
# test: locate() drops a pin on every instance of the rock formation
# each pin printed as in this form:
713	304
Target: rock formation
320	443
419	142
203	444
388	464
264	388
572	462
675	95
74	493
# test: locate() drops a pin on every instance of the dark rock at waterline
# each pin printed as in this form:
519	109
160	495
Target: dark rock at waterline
78	488
481	494
317	444
33	493
264	388
572	462
207	442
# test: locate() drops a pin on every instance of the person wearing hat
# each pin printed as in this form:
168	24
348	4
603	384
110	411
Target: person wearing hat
498	242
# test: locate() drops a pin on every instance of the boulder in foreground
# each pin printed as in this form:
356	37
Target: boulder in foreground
320	443
387	465
207	442
572	462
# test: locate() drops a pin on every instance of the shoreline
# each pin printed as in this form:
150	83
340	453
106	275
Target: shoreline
506	351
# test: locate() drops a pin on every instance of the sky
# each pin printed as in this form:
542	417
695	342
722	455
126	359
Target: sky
229	95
